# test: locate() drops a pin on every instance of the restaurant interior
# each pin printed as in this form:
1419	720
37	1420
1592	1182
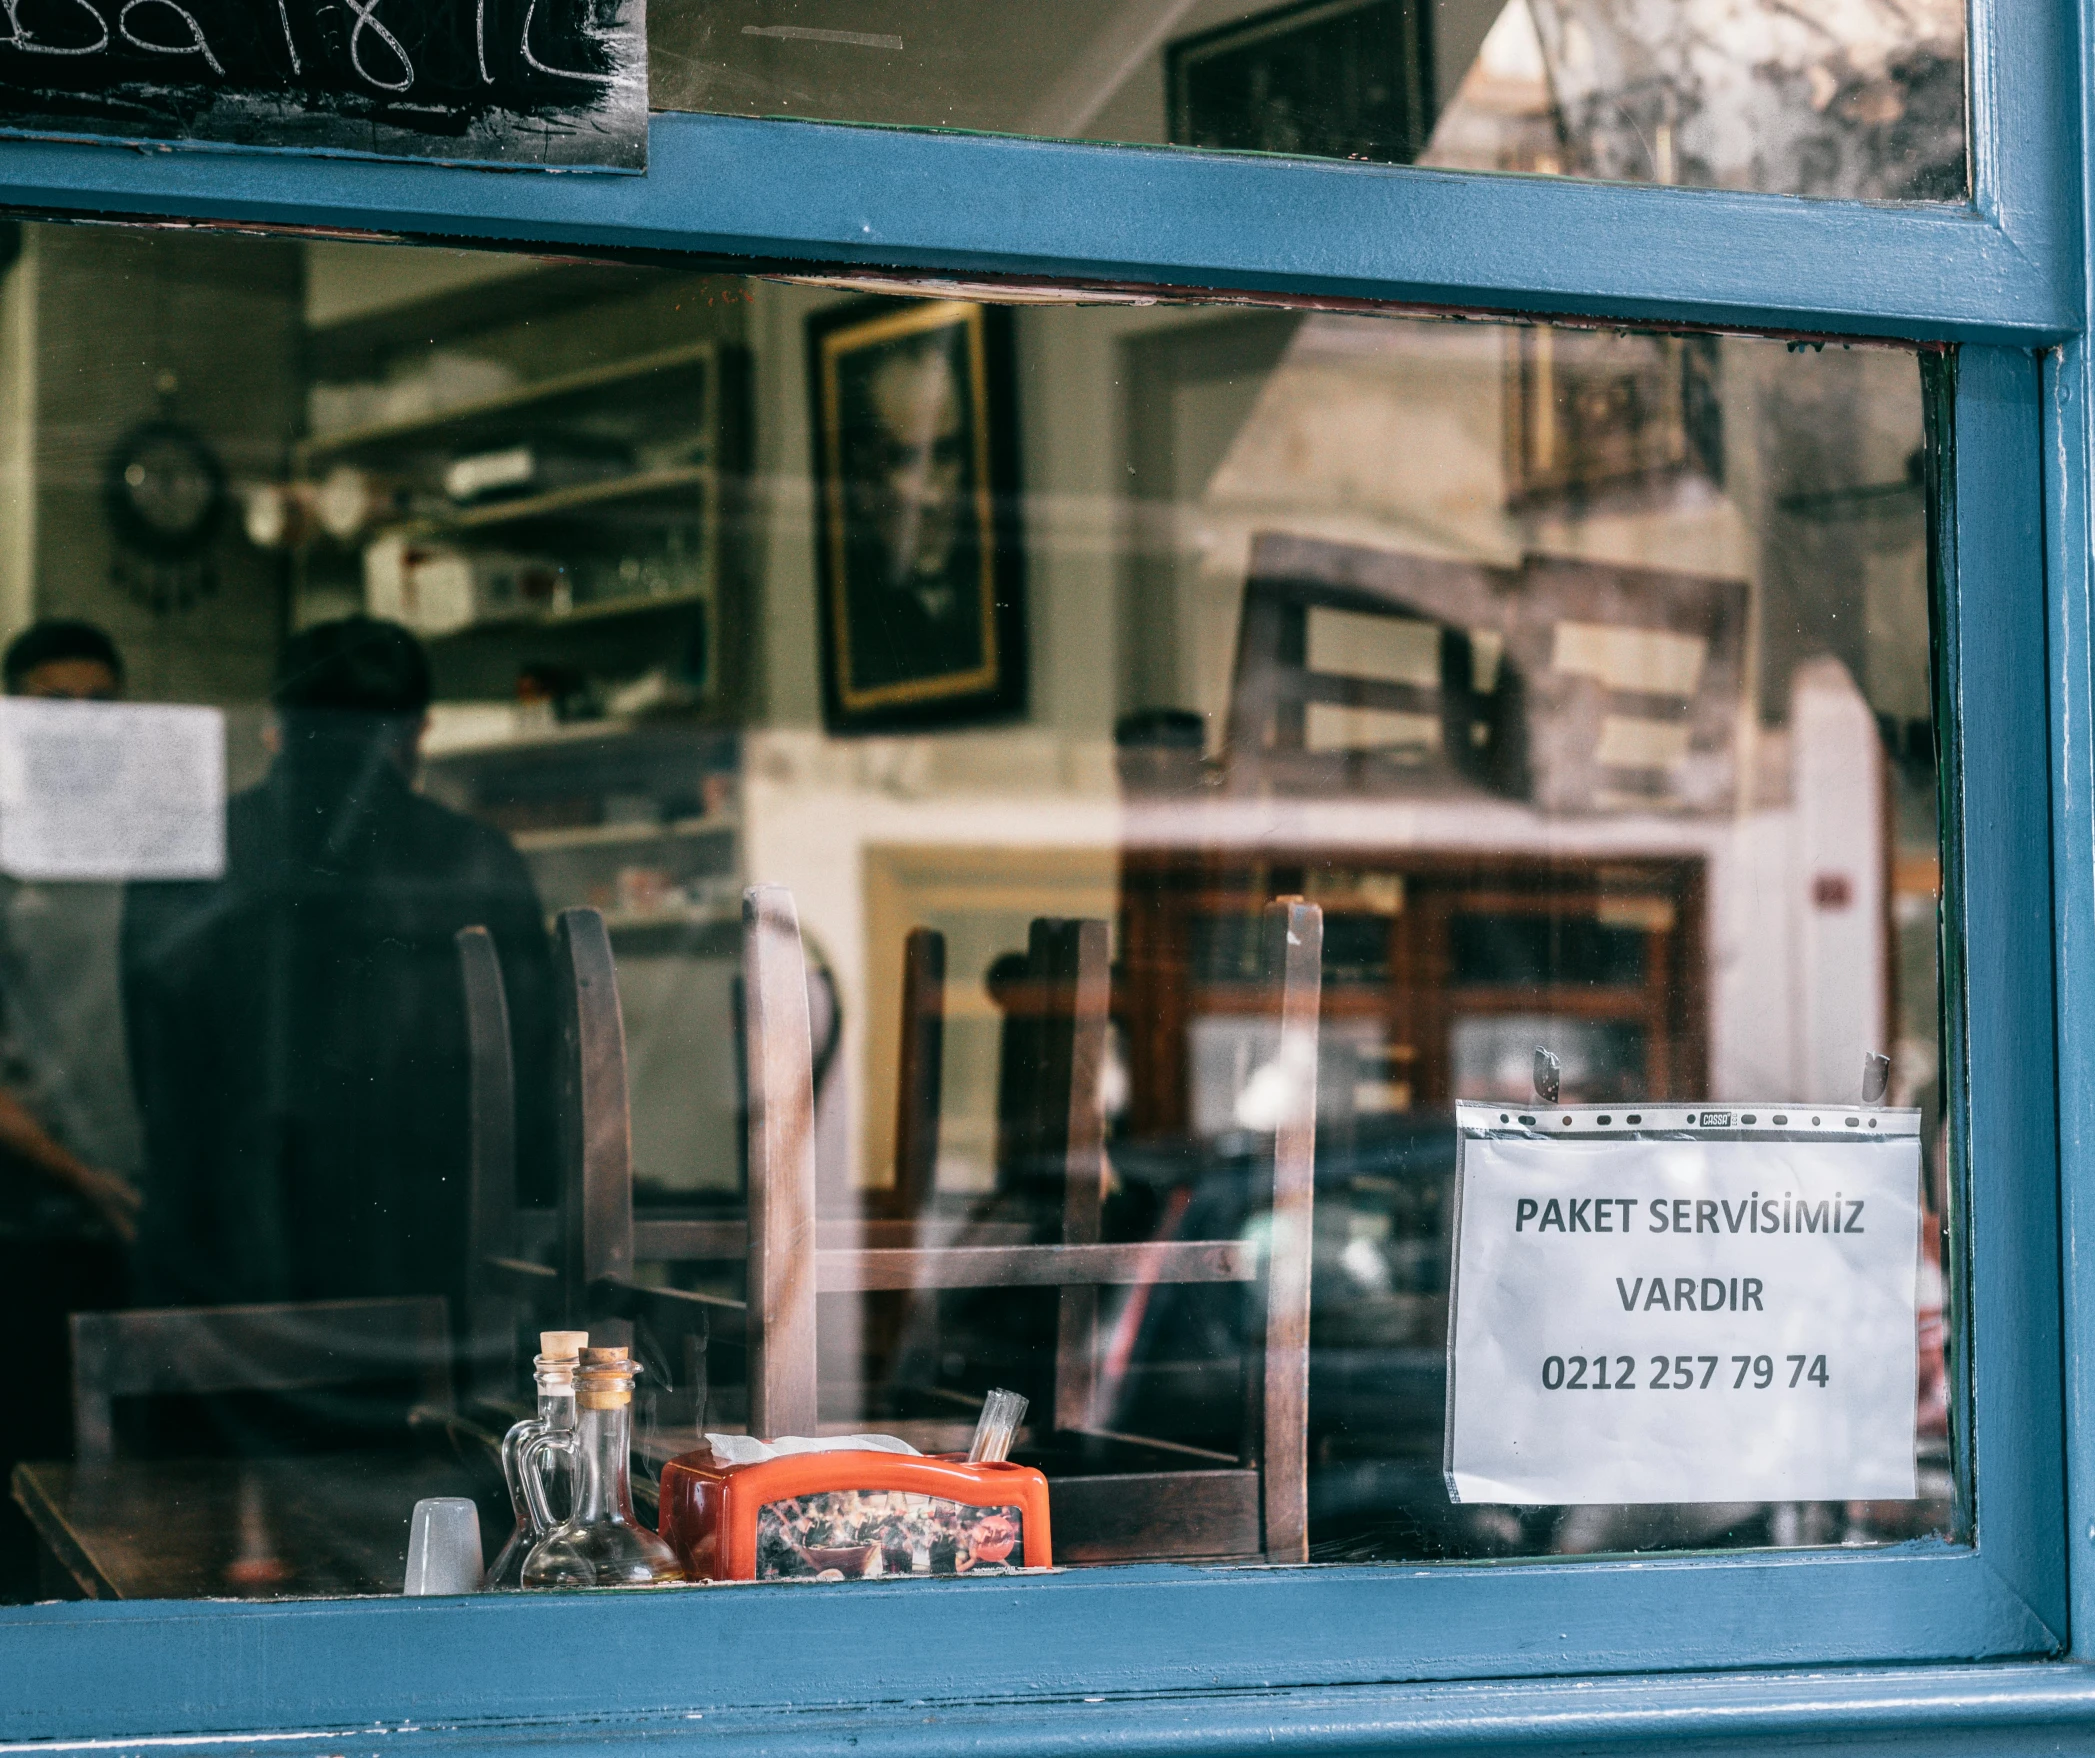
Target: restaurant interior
1008	656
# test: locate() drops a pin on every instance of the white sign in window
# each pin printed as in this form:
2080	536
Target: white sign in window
111	791
1665	1305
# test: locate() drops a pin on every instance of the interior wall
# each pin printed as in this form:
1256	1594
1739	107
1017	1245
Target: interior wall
348	281
18	377
787	650
132	326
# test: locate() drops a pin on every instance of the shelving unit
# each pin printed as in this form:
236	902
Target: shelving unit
1418	969
624	569
686	775
565	502
664	379
621	835
630	571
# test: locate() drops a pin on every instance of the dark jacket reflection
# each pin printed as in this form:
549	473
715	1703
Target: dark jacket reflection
297	1030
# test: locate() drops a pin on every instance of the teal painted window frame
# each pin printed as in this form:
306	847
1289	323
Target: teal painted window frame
1143	1657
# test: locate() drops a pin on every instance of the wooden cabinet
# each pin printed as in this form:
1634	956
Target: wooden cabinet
1442	972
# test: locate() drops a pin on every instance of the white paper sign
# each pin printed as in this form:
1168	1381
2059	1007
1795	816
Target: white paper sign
111	791
1724	1316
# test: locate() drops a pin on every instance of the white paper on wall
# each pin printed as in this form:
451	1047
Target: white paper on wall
111	791
1701	1308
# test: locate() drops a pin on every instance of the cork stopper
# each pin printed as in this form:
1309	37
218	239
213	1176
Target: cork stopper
562	1345
605	1381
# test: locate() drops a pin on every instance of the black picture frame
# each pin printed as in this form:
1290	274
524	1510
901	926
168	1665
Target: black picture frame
1332	79
540	83
918	536
1588	411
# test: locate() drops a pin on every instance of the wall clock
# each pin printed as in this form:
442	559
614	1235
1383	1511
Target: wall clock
165	492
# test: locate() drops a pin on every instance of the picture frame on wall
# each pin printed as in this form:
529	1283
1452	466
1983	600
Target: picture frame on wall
1340	79
1594	410
920	564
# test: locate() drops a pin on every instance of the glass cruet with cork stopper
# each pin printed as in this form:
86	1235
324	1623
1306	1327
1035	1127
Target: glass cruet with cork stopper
602	1542
559	1351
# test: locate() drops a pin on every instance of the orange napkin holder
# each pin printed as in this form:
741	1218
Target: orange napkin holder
852	1515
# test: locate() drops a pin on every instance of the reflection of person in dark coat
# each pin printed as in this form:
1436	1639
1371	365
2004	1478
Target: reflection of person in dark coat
297	1029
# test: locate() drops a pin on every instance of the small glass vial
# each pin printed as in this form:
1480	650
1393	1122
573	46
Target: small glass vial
555	1368
602	1543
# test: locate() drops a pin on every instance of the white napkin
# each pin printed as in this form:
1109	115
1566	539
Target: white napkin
746	1449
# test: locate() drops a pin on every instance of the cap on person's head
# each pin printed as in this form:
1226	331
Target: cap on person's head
58	641
356	666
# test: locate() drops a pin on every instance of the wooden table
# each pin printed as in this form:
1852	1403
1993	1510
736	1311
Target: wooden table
239	1528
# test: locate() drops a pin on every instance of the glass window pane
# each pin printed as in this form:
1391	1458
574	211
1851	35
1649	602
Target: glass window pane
1561	689
1864	99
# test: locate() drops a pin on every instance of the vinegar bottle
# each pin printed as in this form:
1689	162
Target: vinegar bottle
602	1542
555	1368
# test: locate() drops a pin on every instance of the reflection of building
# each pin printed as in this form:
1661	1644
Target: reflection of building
1855	98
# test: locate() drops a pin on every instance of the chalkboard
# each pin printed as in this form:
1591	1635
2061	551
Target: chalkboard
518	82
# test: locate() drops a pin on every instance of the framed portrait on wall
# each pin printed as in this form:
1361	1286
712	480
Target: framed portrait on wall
916	472
1341	79
1590	410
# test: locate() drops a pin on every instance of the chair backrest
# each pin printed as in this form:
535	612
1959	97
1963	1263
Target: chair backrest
195	1350
597	1240
595	1123
780	1059
1064	1127
1332	693
921	1041
493	1219
1294	964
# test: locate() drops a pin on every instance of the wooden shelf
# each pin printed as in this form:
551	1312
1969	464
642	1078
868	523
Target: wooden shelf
444	426
576	736
621	835
602	611
560	502
572	732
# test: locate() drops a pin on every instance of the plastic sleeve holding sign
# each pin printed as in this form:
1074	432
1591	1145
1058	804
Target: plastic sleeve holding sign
1684	1306
111	791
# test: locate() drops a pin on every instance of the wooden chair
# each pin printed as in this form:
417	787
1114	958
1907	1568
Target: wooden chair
594	1238
193	1351
1278	688
1257	1507
596	1243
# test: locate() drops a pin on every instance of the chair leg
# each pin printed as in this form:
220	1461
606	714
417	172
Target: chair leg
918	1084
782	1365
491	1102
1294	934
596	1131
1080	981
